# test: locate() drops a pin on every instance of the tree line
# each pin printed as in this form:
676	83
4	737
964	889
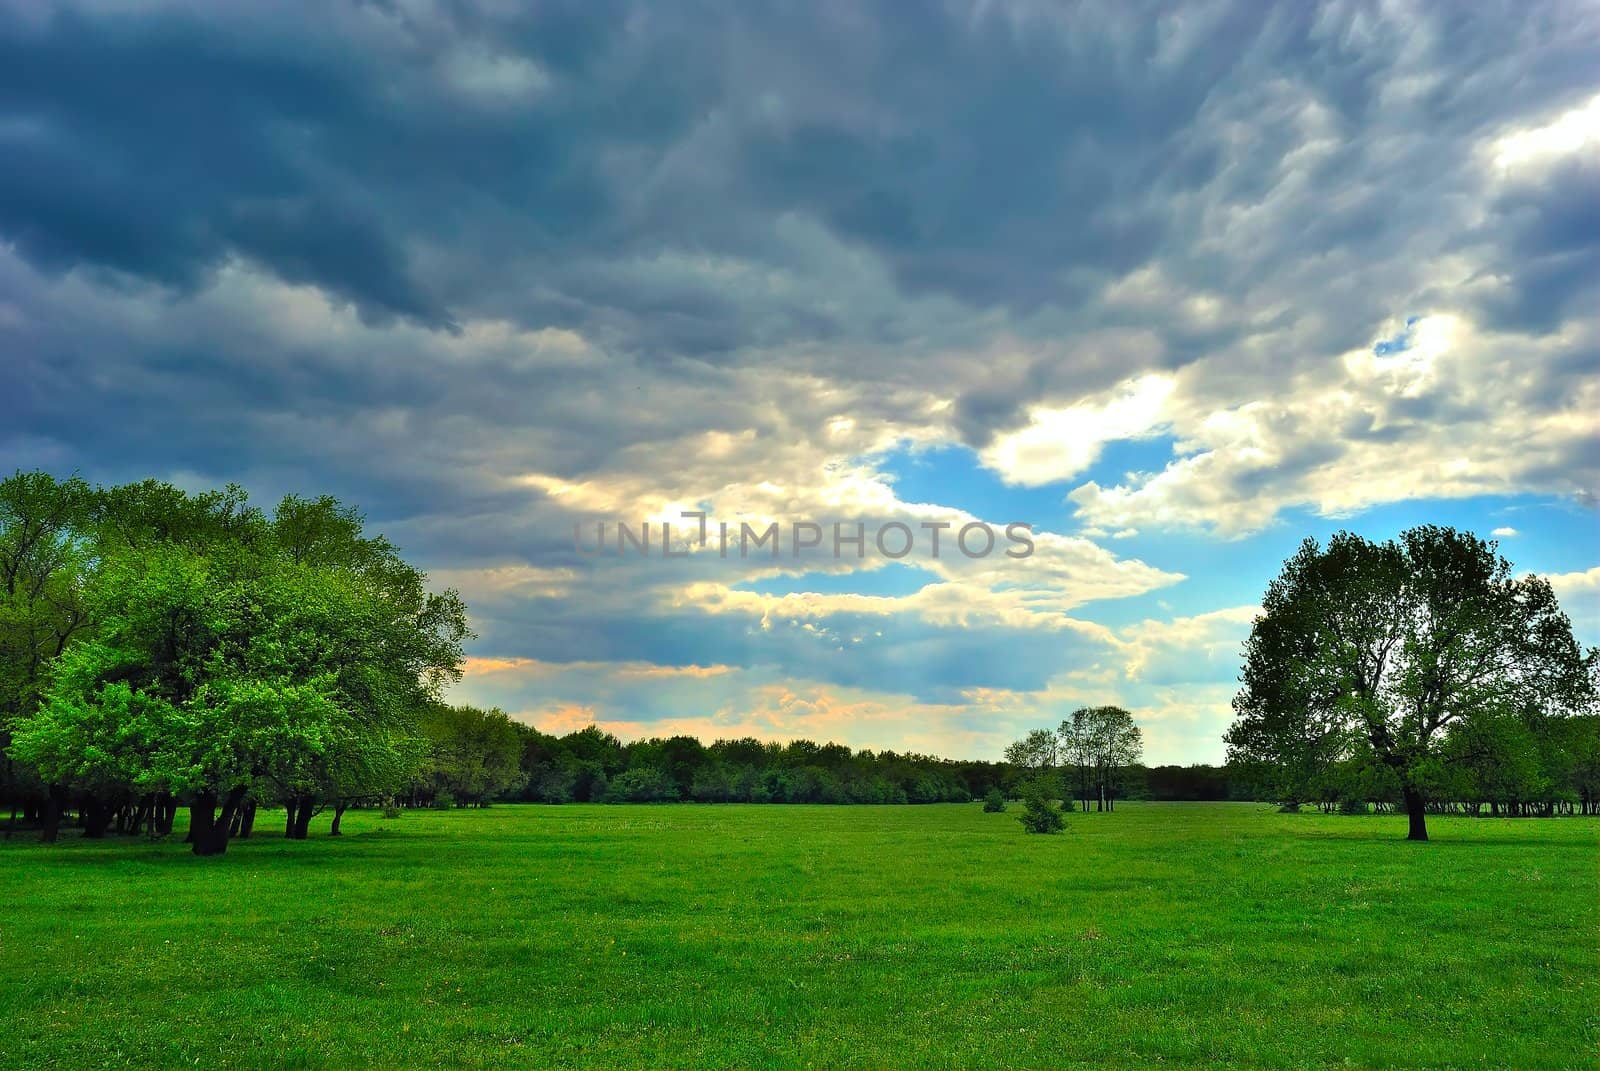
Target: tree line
162	649
482	756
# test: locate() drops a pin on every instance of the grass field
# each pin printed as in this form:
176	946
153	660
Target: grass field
1194	935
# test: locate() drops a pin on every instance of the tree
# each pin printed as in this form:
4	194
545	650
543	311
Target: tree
1077	741
476	755
1039	811
1104	742
994	802
1396	646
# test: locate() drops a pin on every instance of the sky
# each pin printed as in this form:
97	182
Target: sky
1176	287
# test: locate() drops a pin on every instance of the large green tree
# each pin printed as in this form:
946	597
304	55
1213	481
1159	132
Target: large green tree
241	653
1395	646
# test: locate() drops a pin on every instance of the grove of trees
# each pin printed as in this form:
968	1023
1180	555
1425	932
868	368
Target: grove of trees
1092	755
1420	672
159	648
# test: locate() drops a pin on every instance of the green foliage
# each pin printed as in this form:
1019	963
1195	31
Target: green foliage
473	755
648	784
1096	747
1039	811
994	802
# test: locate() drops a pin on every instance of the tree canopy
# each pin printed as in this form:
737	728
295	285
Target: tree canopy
1404	658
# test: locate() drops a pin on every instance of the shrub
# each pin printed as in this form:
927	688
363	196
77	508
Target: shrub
391	808
443	801
994	802
1039	811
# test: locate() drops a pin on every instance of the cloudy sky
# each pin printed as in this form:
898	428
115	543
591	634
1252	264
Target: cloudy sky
1177	288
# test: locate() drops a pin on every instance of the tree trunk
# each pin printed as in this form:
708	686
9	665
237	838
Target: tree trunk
202	817
137	815
51	819
338	813
301	826
1417	811
247	819
96	818
209	829
288	820
166	814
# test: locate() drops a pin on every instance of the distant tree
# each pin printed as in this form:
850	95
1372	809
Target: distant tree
1037	753
712	784
1079	748
994	802
1106	741
1400	645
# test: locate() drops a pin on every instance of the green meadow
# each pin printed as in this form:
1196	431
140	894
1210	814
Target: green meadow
1180	935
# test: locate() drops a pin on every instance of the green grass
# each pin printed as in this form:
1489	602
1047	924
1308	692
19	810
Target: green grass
1192	935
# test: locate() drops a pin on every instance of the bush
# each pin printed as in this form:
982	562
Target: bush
1039	811
443	801
994	802
391	808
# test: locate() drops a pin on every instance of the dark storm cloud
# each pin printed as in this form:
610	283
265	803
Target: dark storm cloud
1546	231
908	203
460	163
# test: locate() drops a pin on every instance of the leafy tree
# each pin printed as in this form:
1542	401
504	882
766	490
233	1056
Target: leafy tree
1105	742
1400	645
994	802
476	755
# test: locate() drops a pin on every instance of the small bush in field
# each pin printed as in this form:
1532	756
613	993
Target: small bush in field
443	801
994	802
391	807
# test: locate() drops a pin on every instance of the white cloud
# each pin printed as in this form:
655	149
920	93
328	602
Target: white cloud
1059	443
1579	595
1368	429
1570	133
